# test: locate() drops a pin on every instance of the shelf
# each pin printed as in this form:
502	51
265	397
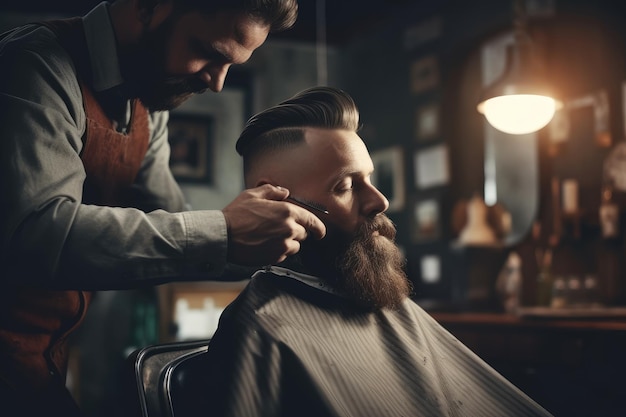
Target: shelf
615	321
573	313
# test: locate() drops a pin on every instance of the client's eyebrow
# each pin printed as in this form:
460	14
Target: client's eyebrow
308	204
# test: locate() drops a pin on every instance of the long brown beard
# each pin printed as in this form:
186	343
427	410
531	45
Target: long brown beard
372	267
367	267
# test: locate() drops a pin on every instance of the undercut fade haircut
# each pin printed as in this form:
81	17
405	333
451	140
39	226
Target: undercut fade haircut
279	15
283	125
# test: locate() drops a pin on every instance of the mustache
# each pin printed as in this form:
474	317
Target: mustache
381	224
183	85
167	93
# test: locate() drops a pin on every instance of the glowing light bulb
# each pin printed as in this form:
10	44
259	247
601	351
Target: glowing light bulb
519	114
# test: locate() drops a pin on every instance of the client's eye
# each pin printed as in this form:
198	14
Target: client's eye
344	186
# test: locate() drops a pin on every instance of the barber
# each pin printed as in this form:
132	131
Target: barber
88	200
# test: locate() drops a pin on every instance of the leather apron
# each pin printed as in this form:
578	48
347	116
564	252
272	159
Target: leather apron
35	322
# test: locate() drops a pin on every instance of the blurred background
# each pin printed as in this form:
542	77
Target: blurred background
514	242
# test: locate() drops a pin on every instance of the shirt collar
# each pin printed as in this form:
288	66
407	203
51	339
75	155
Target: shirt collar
310	280
102	48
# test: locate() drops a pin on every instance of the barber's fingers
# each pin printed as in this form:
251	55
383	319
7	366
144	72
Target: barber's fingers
269	192
292	247
304	217
299	232
309	222
262	230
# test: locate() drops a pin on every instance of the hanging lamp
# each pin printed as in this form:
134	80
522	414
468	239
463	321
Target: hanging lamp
520	101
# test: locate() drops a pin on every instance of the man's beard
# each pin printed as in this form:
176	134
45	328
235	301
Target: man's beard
368	266
145	78
169	93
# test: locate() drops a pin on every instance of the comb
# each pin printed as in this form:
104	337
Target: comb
308	204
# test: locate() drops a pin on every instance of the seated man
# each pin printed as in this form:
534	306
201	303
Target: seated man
332	331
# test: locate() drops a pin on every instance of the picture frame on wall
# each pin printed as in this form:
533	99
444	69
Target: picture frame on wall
430	268
427	122
388	175
426	221
423	32
191	139
424	74
431	167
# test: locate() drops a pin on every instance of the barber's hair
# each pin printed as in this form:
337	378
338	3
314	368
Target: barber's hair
278	14
283	125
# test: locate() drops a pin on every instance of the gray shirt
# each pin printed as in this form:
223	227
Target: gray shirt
48	235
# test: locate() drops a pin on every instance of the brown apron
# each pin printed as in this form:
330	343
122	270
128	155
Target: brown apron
35	322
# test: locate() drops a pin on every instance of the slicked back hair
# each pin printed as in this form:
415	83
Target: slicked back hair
283	125
277	14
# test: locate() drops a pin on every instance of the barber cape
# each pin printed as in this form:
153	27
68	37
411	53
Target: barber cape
291	346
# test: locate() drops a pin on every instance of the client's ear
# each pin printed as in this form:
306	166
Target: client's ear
263	181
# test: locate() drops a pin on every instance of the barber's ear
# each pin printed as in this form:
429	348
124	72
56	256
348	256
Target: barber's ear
153	12
145	9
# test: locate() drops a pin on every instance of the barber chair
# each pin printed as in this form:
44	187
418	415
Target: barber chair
168	380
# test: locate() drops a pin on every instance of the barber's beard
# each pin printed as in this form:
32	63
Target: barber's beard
145	77
169	93
368	267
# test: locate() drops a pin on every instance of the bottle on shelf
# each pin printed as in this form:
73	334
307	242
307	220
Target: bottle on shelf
509	283
592	291
559	292
575	291
610	266
544	278
608	213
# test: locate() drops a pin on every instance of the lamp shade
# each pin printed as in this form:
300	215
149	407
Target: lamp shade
520	101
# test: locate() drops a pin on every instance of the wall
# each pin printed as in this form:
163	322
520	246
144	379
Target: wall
426	58
579	42
276	71
586	58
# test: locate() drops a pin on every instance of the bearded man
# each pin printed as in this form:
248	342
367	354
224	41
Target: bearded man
331	331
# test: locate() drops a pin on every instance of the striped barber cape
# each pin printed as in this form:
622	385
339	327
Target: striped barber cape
291	346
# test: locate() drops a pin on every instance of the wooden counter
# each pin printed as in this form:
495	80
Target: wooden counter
573	366
608	322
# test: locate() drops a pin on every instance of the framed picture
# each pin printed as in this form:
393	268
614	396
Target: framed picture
431	167
388	175
424	74
427	122
425	222
430	266
191	142
423	32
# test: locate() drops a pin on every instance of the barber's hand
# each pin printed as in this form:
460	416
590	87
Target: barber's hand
263	229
